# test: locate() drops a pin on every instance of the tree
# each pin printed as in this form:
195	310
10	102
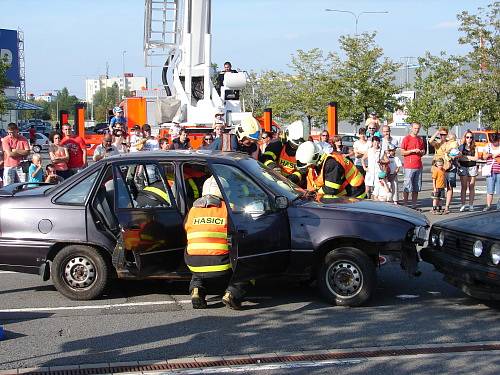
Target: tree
482	80
104	100
364	80
440	99
3	84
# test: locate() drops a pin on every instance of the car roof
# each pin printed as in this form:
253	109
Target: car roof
182	154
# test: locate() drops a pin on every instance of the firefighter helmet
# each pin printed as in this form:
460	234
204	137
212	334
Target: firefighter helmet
210	186
294	133
248	128
308	153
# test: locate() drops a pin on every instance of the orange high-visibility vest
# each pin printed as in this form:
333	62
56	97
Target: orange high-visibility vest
351	174
287	163
207	249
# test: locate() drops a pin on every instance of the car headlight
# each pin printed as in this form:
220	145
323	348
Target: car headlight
495	254
477	249
441	239
434	239
420	234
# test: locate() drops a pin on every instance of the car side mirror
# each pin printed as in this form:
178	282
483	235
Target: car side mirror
255	209
281	202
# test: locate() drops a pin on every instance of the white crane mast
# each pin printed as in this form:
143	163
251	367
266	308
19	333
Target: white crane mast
179	33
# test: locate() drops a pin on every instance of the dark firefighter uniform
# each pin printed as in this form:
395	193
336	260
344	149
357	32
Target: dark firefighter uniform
335	176
207	251
282	155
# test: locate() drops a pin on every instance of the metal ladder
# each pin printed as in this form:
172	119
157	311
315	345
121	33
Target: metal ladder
161	31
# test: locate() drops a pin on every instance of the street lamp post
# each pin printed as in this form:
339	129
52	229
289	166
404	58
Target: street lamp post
356	16
123	73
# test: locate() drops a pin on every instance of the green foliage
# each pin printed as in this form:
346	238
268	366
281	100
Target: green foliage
364	79
106	99
3	84
455	89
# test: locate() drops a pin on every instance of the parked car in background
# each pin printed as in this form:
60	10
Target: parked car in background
466	250
348	140
3	133
42	142
99	128
108	221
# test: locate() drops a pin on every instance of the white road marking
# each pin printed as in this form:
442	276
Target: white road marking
93	307
407	296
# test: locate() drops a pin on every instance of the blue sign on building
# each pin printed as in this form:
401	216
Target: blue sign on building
9	50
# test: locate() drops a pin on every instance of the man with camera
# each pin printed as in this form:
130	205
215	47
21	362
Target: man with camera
105	149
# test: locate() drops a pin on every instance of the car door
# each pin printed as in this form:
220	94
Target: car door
151	225
260	233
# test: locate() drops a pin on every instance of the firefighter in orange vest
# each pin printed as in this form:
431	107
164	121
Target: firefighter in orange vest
329	175
207	253
281	154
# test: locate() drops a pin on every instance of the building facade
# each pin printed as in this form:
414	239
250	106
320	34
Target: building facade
127	82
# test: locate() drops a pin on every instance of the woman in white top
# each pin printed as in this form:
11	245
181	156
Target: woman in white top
360	147
371	165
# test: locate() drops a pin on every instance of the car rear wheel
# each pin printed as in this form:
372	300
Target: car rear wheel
37	148
80	272
347	277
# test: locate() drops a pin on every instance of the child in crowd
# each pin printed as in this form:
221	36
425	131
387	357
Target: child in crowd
382	191
35	171
52	177
438	186
136	139
394	167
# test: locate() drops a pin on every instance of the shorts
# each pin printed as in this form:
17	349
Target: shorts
412	181
12	175
467	171
451	178
439	194
493	184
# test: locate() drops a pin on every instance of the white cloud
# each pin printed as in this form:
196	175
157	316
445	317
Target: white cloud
446	25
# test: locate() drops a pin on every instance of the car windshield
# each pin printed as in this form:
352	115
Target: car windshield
276	182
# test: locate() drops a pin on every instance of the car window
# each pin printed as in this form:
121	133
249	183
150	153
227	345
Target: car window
243	194
194	176
79	192
480	137
141	185
39	136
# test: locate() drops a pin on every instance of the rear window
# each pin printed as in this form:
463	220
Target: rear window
480	137
79	192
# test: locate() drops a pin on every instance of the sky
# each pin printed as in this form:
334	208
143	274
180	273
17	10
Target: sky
67	41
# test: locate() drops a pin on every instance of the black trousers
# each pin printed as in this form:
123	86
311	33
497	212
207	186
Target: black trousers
219	284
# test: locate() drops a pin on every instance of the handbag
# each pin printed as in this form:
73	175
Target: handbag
486	170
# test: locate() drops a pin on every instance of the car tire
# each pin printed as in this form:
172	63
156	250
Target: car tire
80	272
37	149
347	277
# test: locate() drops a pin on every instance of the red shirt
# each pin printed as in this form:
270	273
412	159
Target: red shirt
412	161
32	133
19	143
76	147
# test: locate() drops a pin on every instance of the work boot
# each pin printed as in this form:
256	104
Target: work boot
231	302
198	299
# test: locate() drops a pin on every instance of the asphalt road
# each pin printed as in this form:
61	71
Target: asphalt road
150	321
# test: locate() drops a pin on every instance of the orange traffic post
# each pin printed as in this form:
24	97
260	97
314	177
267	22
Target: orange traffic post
63	117
333	120
135	112
80	119
268	119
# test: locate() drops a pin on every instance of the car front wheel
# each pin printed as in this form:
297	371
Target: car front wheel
347	277
37	149
80	272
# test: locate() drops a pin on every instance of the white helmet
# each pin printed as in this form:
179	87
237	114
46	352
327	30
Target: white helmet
248	128
294	133
308	153
210	186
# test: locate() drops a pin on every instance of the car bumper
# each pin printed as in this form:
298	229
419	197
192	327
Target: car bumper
476	280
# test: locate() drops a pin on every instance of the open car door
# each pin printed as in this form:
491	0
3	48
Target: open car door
260	234
151	227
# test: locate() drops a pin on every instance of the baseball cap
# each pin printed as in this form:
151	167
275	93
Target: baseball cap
146	127
391	147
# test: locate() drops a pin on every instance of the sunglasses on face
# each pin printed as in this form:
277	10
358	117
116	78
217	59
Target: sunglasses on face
468	137
208	139
371	128
443	135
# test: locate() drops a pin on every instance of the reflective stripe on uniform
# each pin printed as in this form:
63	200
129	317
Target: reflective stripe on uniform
332	185
268	162
158	192
208	246
218	268
206	234
362	196
271	154
196	192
